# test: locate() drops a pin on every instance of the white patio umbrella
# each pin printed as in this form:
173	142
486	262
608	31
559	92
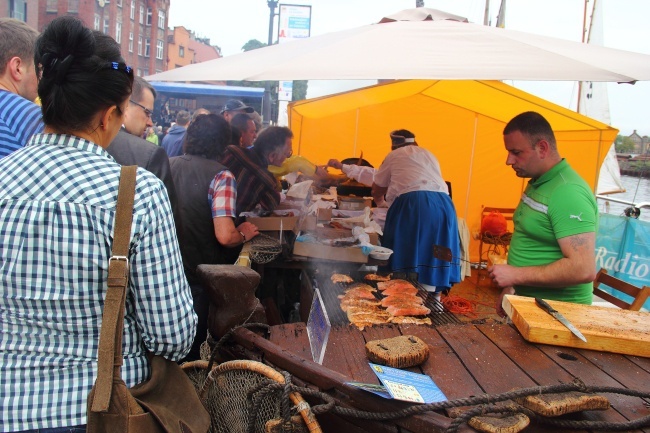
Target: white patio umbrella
431	49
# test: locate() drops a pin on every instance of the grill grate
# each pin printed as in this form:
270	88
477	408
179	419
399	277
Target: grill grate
330	292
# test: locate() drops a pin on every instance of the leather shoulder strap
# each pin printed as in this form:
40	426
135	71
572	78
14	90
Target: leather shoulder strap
110	337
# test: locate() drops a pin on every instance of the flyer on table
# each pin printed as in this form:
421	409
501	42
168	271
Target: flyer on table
407	386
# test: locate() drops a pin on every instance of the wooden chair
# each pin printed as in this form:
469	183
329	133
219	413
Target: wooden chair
493	244
640	295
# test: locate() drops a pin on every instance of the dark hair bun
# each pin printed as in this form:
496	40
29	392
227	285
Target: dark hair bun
63	43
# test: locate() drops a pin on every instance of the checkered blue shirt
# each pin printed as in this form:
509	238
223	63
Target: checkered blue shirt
57	210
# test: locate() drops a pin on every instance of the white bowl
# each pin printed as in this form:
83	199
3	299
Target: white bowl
381	253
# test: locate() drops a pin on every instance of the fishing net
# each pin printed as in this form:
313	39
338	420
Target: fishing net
238	399
264	248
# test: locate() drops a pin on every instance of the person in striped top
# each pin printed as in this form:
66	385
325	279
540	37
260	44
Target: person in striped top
19	116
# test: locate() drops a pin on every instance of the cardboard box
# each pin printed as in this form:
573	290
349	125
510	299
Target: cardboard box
273	223
327	252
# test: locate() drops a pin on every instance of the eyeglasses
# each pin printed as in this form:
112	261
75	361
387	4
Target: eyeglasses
147	111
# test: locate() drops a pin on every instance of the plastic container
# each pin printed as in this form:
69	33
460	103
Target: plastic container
381	253
354	203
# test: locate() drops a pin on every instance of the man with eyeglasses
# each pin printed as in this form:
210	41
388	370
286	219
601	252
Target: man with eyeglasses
130	148
173	141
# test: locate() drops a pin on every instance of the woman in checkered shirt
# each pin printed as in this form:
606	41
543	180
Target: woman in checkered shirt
57	216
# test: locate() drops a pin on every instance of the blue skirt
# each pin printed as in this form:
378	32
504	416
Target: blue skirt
415	222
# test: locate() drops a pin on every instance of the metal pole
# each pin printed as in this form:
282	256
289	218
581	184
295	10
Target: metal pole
266	106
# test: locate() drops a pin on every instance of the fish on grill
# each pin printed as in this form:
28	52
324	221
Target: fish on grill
384	285
402	301
362	317
356	302
376	277
341	279
400	290
410	320
358	293
408	310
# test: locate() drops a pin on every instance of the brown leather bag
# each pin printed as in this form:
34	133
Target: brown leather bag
167	402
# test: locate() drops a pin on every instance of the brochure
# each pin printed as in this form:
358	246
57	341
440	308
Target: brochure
402	385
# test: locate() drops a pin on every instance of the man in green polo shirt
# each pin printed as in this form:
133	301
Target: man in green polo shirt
552	251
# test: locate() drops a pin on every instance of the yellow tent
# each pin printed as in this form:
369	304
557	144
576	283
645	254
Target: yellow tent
461	122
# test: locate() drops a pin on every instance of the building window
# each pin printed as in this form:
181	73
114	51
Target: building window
119	3
145	72
149	16
18	9
141	14
118	33
107	25
51	6
181	51
159	49
97	22
147	47
132	13
139	45
73	6
130	42
139	72
161	19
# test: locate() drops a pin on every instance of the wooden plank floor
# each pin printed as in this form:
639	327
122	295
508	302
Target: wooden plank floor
482	355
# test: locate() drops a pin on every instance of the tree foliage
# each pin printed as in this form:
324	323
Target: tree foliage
624	144
299	90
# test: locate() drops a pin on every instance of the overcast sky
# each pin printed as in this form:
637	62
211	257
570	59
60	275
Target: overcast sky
230	24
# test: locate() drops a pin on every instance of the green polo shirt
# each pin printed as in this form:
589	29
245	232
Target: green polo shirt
556	205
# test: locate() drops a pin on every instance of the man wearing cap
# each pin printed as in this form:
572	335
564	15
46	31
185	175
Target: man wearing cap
244	128
173	141
20	118
233	107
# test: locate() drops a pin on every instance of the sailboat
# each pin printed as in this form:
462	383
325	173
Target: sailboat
622	242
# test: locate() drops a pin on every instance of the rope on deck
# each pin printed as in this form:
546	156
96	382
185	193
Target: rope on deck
485	404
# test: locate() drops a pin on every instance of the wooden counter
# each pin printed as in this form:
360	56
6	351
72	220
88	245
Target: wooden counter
465	360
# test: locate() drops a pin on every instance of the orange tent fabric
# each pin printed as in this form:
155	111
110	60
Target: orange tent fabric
461	122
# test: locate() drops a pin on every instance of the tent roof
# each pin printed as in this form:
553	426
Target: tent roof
492	99
460	122
208	90
440	49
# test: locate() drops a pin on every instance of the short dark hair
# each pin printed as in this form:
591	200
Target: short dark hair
240	121
270	139
80	75
139	84
534	126
183	117
17	39
208	136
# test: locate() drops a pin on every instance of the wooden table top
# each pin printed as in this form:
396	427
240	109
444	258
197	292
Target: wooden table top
467	360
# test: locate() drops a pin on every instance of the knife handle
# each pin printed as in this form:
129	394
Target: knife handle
545	305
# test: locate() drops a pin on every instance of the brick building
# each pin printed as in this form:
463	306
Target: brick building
184	48
139	26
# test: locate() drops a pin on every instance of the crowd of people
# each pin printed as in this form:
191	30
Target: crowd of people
59	175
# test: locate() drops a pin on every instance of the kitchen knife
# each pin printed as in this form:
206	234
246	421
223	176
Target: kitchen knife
553	312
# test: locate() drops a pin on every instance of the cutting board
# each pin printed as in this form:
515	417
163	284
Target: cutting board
606	329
